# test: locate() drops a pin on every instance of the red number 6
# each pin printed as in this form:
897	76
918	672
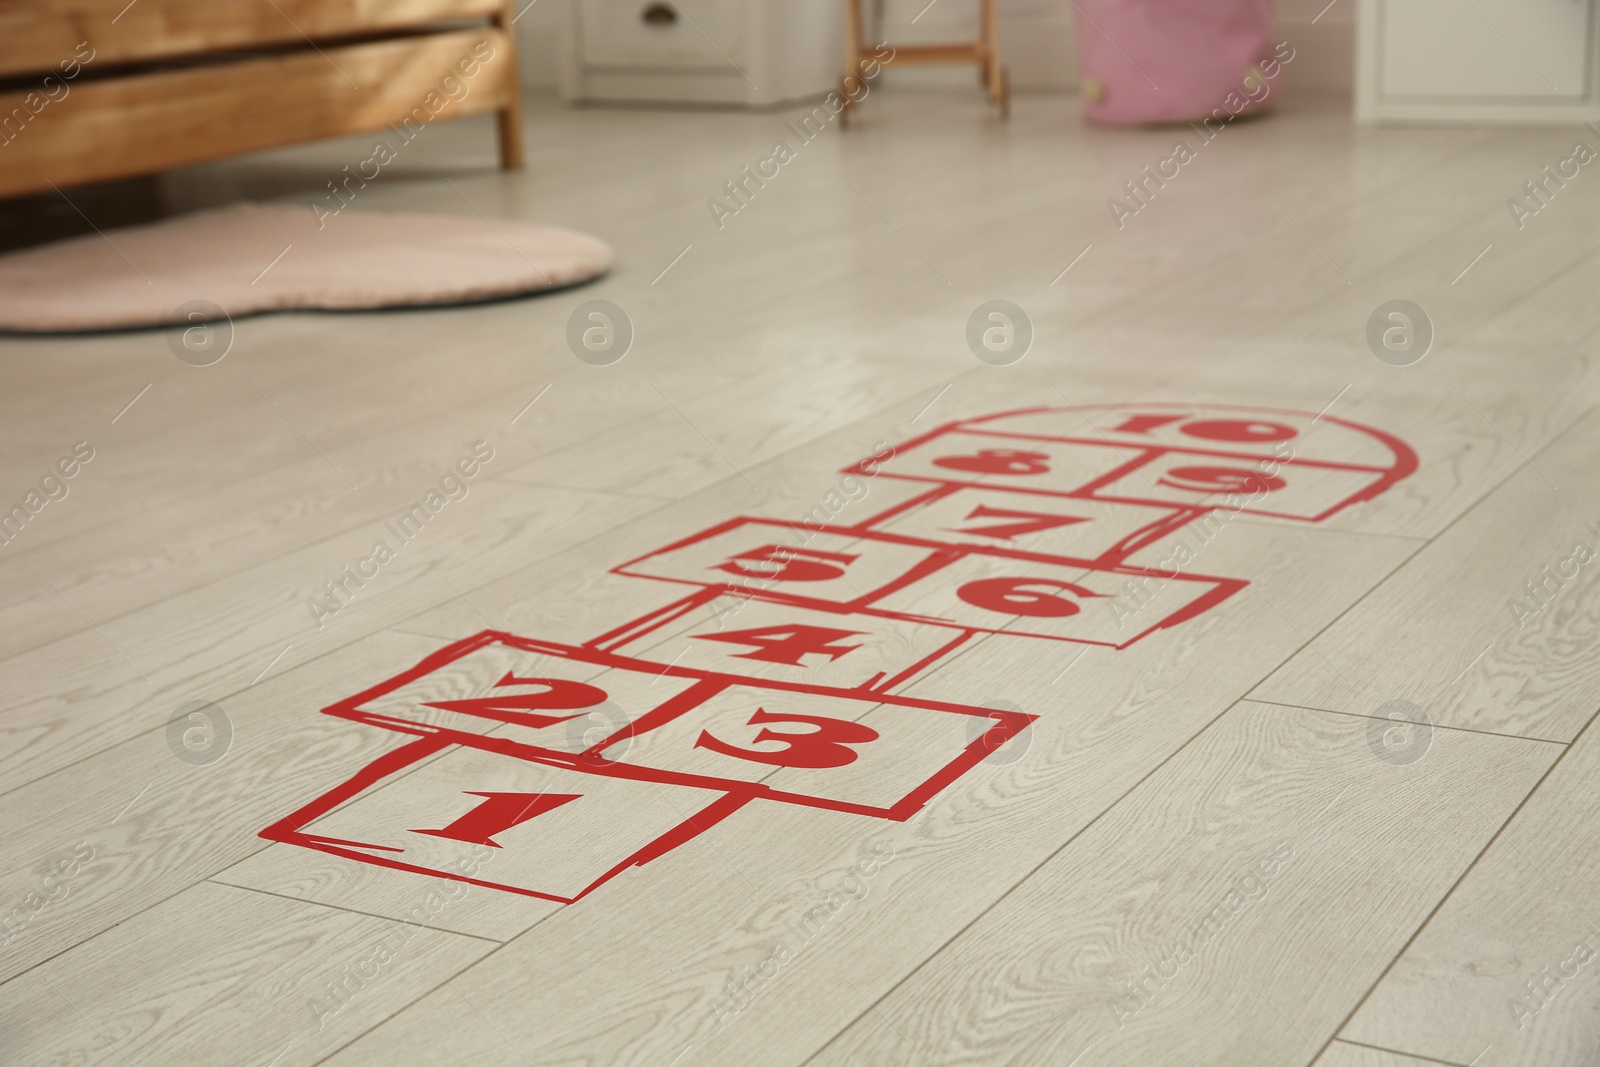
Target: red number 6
1022	596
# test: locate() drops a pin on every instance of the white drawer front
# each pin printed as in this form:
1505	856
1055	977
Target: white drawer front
1484	49
662	34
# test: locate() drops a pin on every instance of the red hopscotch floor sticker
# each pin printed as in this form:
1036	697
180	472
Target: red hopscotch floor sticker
567	765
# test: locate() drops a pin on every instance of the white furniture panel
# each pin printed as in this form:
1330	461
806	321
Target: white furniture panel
680	34
1485	48
1476	60
734	52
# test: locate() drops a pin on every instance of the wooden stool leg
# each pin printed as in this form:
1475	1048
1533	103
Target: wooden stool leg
852	55
852	58
852	36
508	119
990	41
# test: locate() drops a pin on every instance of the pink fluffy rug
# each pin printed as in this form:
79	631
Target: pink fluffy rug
249	258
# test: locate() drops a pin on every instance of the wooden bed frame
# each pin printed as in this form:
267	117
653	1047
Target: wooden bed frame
99	89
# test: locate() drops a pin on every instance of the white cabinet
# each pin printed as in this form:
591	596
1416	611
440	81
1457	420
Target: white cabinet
740	52
1476	61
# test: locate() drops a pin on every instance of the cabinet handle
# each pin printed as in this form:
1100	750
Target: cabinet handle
659	14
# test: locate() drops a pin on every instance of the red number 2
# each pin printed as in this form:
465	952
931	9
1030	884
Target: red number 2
555	694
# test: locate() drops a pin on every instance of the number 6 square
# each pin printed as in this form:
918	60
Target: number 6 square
1023	597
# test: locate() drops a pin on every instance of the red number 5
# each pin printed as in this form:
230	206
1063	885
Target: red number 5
826	746
787	564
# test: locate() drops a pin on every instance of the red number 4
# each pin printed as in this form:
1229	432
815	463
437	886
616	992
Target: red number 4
787	644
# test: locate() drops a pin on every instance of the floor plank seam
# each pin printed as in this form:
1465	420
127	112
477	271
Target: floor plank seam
1096	818
1423	925
1434	725
348	911
1398	1052
1473	334
1467	510
1015	885
276	468
420	421
425	994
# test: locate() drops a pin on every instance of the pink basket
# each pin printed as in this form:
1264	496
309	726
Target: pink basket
1146	61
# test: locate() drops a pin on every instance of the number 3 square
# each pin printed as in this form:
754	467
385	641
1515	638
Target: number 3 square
877	755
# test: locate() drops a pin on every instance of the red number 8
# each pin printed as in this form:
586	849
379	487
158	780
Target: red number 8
997	461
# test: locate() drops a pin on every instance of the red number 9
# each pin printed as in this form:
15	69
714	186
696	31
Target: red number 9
1221	480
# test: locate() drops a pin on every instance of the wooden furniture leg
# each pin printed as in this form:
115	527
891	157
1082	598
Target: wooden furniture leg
989	47
508	119
984	53
998	75
852	55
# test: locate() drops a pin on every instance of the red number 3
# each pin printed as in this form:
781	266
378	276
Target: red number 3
826	746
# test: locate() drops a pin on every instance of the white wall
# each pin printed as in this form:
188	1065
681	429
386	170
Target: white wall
538	36
1037	40
1325	50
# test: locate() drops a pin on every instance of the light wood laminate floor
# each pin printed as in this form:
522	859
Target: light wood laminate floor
1086	762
